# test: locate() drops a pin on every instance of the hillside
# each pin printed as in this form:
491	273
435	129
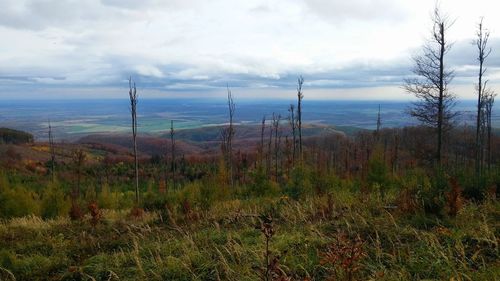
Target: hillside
11	136
201	140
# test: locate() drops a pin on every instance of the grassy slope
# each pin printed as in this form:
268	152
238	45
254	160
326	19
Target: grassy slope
223	243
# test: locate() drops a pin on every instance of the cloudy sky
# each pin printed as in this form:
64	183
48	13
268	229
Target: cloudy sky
356	49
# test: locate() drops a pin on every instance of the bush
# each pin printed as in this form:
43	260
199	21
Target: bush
208	194
299	183
378	177
478	190
54	202
324	182
126	200
433	197
260	185
191	193
108	199
18	202
411	186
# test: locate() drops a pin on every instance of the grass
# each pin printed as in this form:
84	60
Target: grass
224	242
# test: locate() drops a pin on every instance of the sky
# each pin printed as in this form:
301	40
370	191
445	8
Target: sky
356	49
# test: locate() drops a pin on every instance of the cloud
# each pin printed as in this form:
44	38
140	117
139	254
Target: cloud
356	10
149	70
38	15
194	45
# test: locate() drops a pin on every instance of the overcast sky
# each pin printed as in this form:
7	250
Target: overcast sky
348	49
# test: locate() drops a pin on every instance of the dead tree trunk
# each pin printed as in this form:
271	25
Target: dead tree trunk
261	148
133	110
52	153
230	136
379	125
270	151
490	100
300	96
276	124
483	53
78	161
293	126
172	151
395	158
441	41
431	86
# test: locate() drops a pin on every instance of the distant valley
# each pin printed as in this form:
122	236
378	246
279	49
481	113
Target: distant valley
74	119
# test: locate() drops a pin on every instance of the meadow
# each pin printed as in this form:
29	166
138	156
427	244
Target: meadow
307	227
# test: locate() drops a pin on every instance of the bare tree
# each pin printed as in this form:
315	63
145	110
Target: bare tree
481	43
78	159
133	110
261	148
52	153
430	85
293	126
172	151
269	150
395	155
288	156
379	122
230	136
488	106
223	136
277	137
300	96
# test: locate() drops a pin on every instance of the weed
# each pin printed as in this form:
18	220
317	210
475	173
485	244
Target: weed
95	213
344	253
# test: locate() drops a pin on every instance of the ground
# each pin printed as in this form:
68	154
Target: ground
334	236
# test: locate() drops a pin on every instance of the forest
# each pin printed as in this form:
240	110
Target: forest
409	203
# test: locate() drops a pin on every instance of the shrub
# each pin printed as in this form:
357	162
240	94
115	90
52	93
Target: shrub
125	200
412	184
108	199
54	202
478	189
299	183
433	196
454	198
324	182
191	193
18	202
378	177
260	185
207	195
